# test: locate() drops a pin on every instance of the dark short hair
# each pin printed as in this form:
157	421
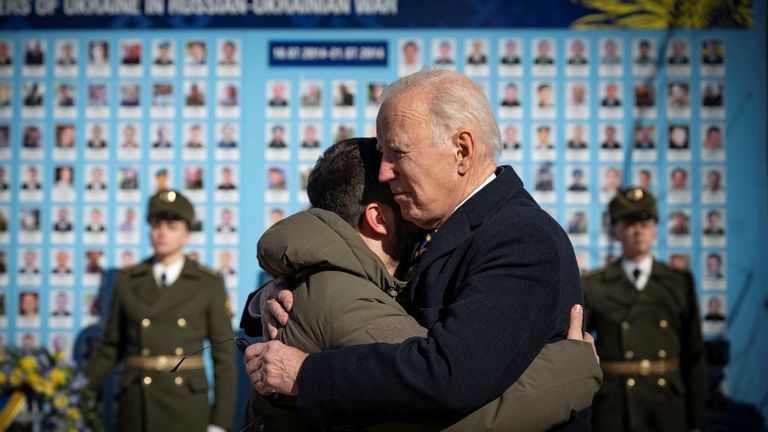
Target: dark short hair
345	179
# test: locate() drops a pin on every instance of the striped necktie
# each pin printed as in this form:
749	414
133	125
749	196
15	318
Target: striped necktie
422	248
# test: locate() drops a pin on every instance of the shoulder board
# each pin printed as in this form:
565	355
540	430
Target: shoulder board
674	270
592	273
209	271
135	269
683	272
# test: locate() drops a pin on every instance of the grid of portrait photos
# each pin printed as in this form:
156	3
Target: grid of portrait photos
303	117
89	129
91	126
581	117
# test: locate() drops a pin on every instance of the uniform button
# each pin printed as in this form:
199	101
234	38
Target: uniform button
661	382
625	325
182	322
629	355
178	380
147	380
179	351
663	323
145	351
145	322
631	382
662	354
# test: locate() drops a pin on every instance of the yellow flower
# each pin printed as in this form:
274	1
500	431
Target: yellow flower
60	401
33	378
16	377
58	377
73	413
28	363
59	356
49	389
36	382
3	379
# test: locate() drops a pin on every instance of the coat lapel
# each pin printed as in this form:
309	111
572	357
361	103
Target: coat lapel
465	219
445	240
623	292
143	284
657	286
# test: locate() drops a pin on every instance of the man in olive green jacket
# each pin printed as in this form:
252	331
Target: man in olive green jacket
161	310
346	296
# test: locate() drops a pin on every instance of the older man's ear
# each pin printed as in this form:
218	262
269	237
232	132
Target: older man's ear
465	151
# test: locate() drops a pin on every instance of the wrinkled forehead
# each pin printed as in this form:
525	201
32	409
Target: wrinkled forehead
401	116
409	104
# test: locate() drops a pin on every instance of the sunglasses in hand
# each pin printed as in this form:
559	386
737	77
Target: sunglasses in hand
241	343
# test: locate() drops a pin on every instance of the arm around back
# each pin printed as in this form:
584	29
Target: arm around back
499	292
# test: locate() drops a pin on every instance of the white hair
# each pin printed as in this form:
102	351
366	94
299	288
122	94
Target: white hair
454	101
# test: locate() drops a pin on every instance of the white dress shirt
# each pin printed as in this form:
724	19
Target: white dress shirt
644	266
171	272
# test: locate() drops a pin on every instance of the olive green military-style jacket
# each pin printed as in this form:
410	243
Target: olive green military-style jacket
659	323
147	320
345	298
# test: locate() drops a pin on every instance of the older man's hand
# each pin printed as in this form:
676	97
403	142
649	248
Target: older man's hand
574	329
275	303
273	367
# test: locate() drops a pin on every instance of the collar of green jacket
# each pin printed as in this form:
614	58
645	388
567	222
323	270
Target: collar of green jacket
318	240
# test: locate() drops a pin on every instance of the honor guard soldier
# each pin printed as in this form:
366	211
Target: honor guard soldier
648	333
162	309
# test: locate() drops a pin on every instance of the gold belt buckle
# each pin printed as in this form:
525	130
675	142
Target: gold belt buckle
161	363
645	367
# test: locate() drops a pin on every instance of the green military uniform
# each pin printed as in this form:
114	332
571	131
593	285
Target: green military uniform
649	341
150	328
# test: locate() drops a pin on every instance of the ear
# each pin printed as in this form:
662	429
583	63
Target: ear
375	220
465	147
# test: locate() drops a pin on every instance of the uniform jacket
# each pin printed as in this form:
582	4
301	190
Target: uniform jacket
145	319
495	285
343	300
660	322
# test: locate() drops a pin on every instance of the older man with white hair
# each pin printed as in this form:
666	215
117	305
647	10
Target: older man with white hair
493	281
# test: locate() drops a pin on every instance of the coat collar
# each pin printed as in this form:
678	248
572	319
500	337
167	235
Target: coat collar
159	299
623	291
470	215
